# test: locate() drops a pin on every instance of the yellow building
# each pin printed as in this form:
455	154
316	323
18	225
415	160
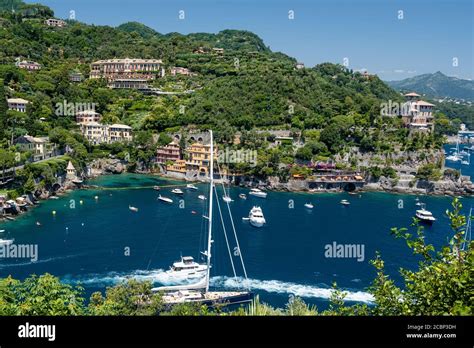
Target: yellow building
199	158
179	166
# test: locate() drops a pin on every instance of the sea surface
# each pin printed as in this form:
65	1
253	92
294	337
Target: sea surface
95	240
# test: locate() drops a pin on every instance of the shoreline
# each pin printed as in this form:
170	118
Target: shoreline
268	185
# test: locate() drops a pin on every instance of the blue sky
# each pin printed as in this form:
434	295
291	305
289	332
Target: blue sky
431	36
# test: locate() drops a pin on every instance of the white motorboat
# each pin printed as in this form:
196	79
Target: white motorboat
6	242
187	268
425	215
468	162
202	197
309	205
258	193
133	208
156	188
165	199
243	196
177	191
345	202
227	199
191	187
256	217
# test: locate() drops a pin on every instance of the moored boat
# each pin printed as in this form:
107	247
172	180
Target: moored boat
177	191
424	215
243	196
256	217
135	209
309	205
165	199
345	202
191	187
258	193
202	197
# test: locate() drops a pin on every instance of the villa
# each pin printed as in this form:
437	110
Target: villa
17	104
179	166
417	114
88	116
53	22
76	76
98	133
127	72
170	152
40	147
198	158
28	65
180	71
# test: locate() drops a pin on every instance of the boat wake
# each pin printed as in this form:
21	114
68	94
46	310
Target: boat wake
220	282
280	287
29	263
112	278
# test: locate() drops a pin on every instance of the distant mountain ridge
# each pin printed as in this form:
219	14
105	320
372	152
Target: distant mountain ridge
437	85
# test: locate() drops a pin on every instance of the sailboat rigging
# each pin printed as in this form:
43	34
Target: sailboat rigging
199	291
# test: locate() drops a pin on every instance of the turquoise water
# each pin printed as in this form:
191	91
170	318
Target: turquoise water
87	242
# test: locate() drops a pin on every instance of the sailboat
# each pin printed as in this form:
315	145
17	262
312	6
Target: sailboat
199	292
455	157
468	162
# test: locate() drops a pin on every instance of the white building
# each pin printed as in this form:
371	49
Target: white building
40	147
88	116
416	113
98	133
17	104
53	22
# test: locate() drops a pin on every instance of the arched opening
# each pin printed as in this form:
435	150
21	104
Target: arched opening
349	187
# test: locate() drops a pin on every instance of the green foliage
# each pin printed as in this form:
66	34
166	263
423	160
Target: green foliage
44	295
428	171
130	298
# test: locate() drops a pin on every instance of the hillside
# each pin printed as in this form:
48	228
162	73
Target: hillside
247	86
437	85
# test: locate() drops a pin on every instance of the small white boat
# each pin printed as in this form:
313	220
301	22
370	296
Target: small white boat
202	197
256	217
156	188
177	191
309	206
6	242
165	199
258	193
425	215
227	199
1	231
191	187
345	202
243	196
133	208
453	158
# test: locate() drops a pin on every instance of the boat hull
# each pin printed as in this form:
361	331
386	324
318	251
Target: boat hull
216	298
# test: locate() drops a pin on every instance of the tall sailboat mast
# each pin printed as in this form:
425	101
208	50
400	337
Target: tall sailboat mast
211	194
